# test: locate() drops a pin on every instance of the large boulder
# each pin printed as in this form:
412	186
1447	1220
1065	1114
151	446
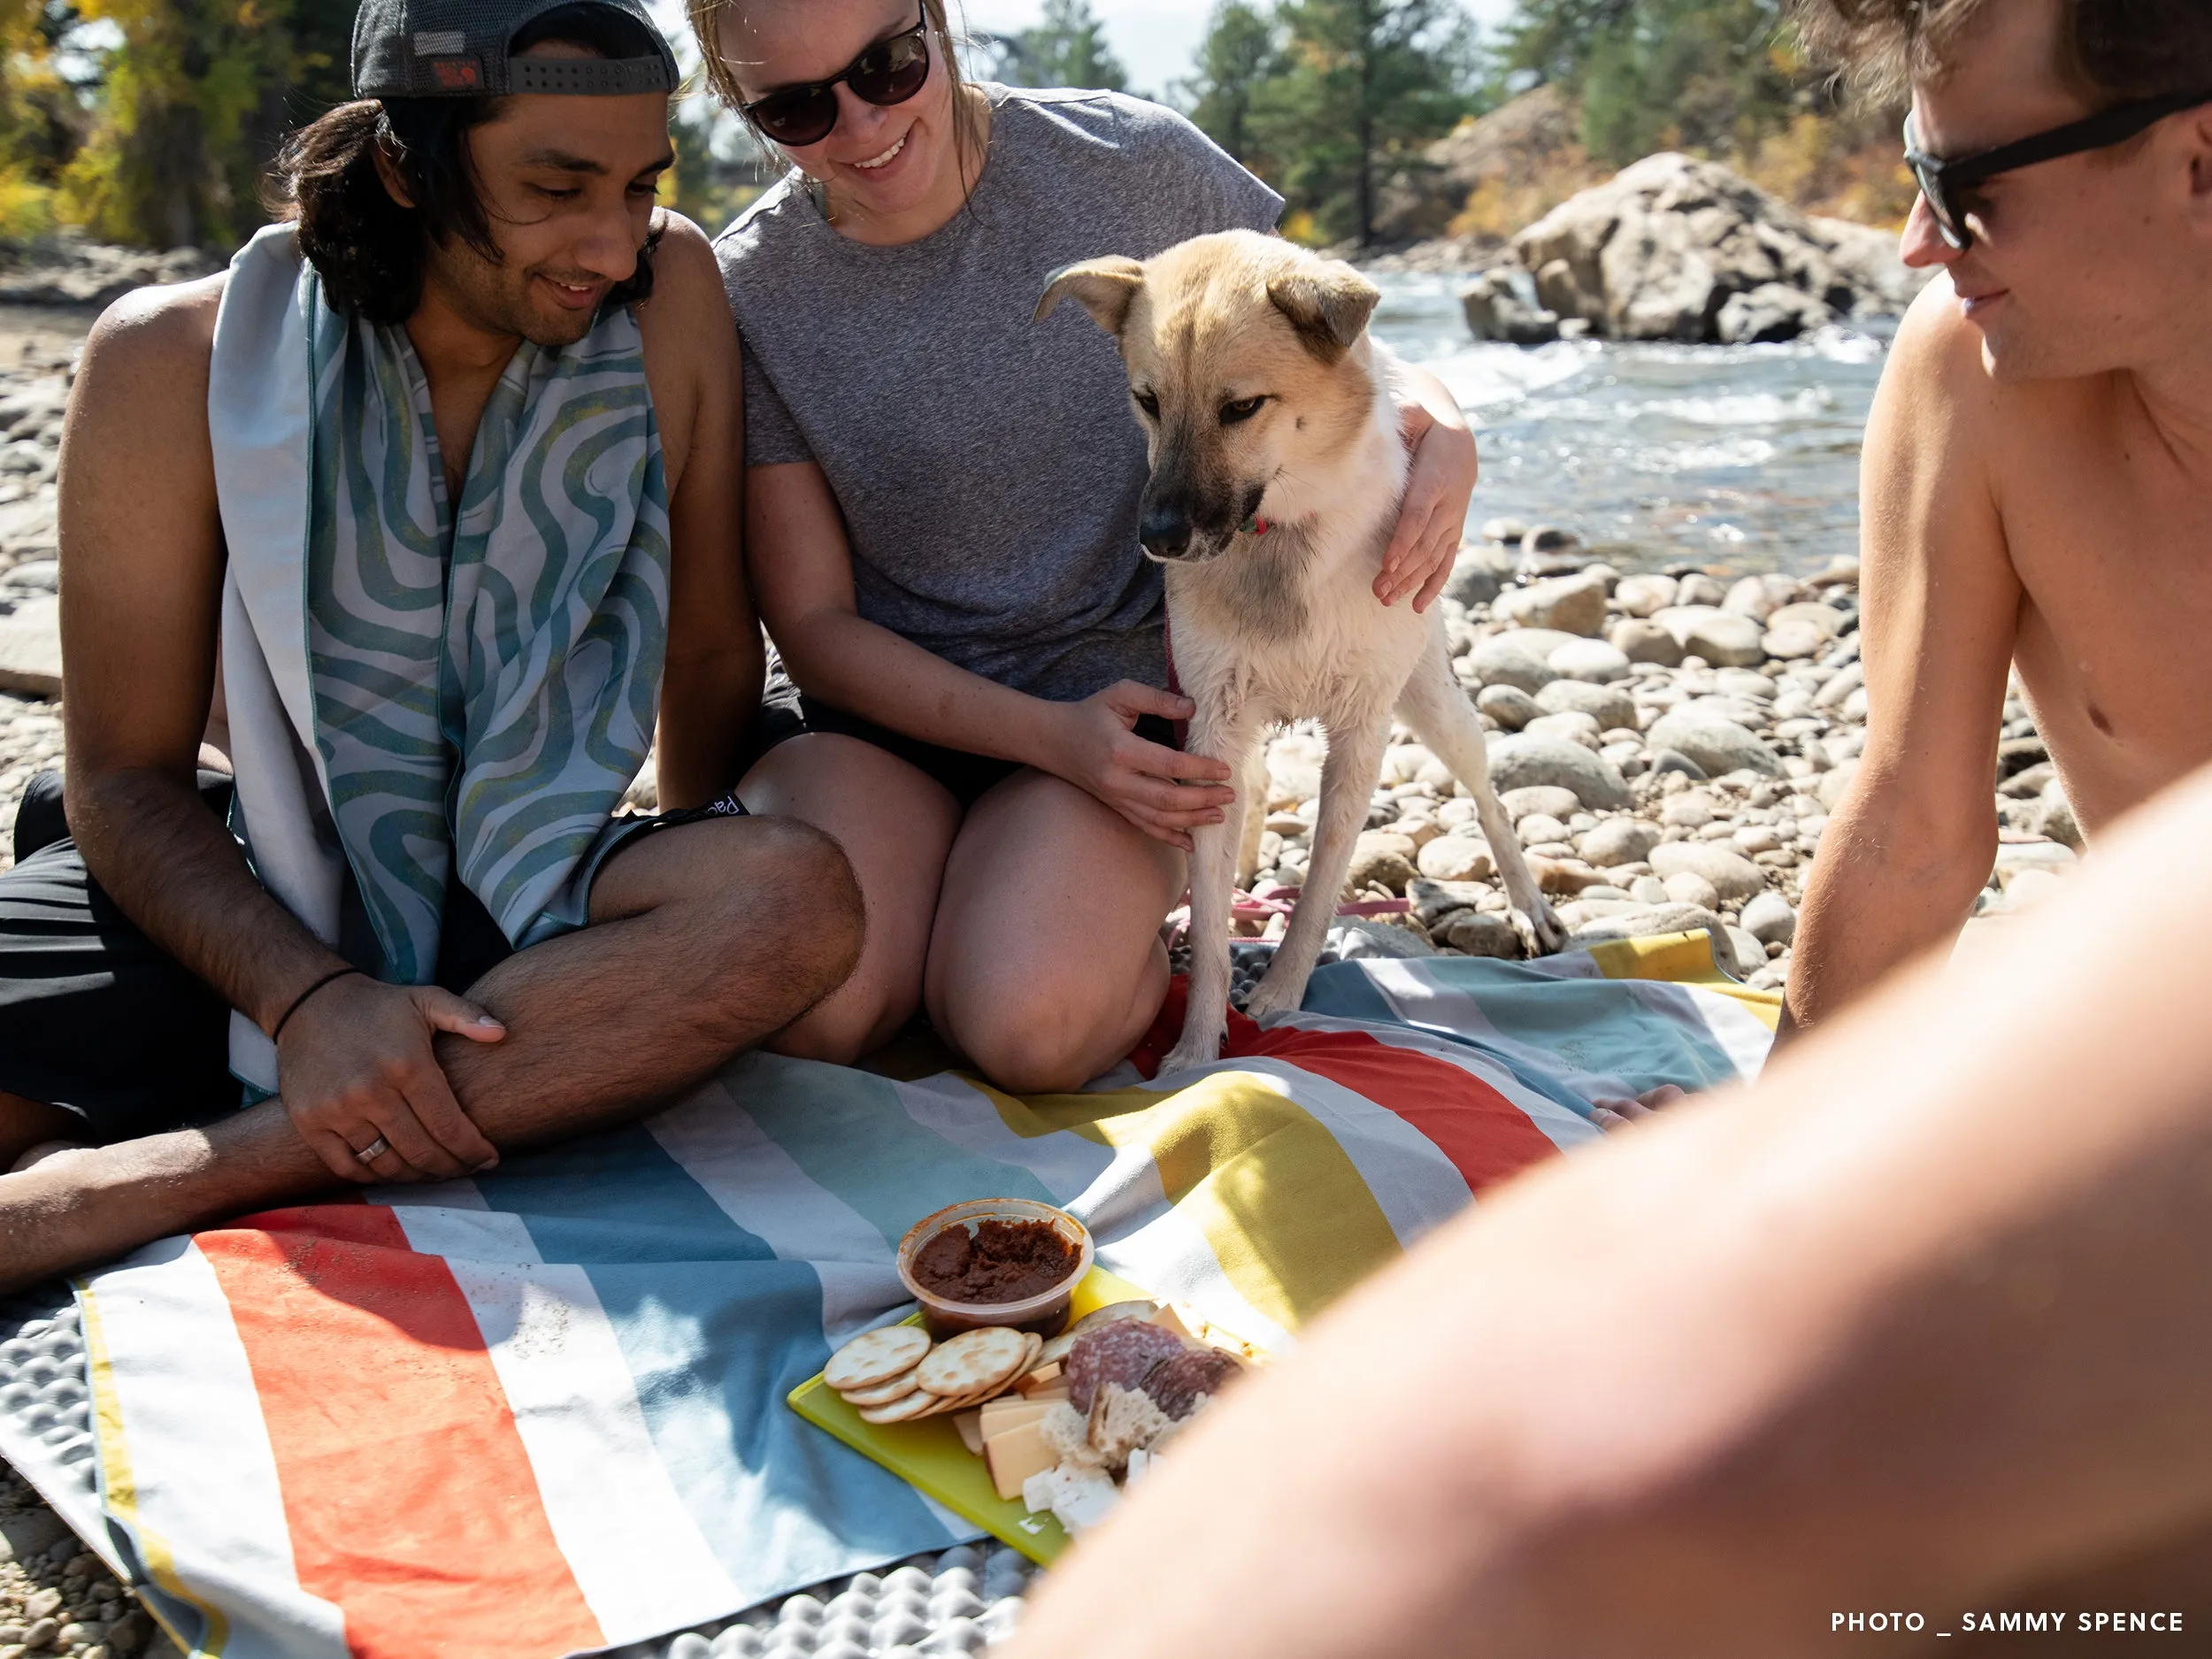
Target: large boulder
1538	134
1662	250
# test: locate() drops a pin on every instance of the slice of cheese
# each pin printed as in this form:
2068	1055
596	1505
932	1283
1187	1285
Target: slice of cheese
971	1426
1040	1380
1000	1414
1015	1455
1169	1319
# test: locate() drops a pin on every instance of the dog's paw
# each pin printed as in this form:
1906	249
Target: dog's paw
1547	932
1275	994
1195	1049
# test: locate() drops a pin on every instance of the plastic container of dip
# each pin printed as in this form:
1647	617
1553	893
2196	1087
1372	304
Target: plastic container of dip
1044	1313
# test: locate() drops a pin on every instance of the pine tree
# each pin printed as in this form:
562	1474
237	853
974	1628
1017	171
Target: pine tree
1367	85
1068	48
1238	54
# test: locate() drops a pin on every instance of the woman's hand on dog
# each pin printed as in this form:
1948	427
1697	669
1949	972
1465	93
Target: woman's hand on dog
1439	490
1164	792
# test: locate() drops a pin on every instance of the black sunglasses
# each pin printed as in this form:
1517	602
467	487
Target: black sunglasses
889	72
1949	184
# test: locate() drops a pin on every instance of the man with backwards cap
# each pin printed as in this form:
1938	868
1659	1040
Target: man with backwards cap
439	481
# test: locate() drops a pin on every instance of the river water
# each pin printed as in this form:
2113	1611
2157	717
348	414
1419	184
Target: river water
1742	456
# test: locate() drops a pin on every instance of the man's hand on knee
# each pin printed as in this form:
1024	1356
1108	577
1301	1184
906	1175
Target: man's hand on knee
357	1073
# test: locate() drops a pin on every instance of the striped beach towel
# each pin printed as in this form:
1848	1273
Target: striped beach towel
541	1412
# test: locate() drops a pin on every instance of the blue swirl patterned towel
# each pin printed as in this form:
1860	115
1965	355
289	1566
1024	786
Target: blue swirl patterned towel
418	688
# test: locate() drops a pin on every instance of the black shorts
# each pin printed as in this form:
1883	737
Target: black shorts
786	712
97	1019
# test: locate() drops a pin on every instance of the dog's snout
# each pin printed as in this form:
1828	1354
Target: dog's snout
1165	530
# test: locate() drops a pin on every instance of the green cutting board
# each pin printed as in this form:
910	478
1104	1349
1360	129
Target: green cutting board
931	1454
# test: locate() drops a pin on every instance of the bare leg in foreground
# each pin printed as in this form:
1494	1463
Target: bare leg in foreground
705	938
1921	1322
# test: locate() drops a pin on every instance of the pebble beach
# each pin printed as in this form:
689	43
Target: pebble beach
1669	745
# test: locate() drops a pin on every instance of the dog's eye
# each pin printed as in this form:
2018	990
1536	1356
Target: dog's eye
1148	403
1243	409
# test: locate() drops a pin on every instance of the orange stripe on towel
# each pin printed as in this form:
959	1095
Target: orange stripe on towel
411	1501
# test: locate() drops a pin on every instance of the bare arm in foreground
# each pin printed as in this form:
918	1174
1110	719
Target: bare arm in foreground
1921	1324
1914	836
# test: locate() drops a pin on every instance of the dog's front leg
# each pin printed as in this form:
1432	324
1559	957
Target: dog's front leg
1347	781
1226	737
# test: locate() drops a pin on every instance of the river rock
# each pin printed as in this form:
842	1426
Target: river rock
1687	887
1610	706
1825	619
1381	856
1572	604
1593	660
1457	857
1722	638
1521	759
1509	705
1498	661
1648	890
1644	641
1539	827
1733	876
1658	251
1698	588
1356	938
1476	578
1692	809
1506	531
1772	311
1619	840
1483	934
1769	918
2058	821
1718	746
1570	727
1834	783
1791	641
1433	900
1496	310
1761	596
30	645
1539	799
1640	595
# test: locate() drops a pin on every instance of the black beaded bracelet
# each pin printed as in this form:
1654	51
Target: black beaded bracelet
278	1030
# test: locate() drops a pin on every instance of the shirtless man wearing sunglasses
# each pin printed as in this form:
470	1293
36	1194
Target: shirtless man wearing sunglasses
2038	482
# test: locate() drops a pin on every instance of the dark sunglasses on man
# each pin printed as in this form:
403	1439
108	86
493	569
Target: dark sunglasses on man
1949	186
887	72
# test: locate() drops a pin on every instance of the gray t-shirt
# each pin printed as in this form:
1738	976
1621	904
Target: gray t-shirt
987	467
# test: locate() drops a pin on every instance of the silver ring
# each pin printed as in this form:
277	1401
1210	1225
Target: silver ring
374	1150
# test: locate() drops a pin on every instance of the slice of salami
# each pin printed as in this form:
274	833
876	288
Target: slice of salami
1120	1353
1176	1383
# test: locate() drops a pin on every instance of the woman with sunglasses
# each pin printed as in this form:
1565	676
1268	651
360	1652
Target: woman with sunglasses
942	525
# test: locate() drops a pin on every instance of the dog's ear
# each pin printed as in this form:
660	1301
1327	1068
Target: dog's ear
1329	306
1107	287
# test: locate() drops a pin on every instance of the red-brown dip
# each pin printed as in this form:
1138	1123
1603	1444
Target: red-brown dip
1005	1261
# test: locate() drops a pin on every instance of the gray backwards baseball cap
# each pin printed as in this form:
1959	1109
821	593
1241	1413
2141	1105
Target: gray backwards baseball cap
433	48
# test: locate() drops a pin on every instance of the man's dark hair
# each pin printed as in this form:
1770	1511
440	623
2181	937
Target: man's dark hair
2111	51
369	250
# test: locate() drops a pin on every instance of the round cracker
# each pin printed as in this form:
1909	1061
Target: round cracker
1031	1360
972	1362
917	1404
874	1357
882	1394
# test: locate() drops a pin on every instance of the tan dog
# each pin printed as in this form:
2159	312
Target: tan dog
1277	471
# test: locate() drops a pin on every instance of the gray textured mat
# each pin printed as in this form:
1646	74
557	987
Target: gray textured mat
954	1601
